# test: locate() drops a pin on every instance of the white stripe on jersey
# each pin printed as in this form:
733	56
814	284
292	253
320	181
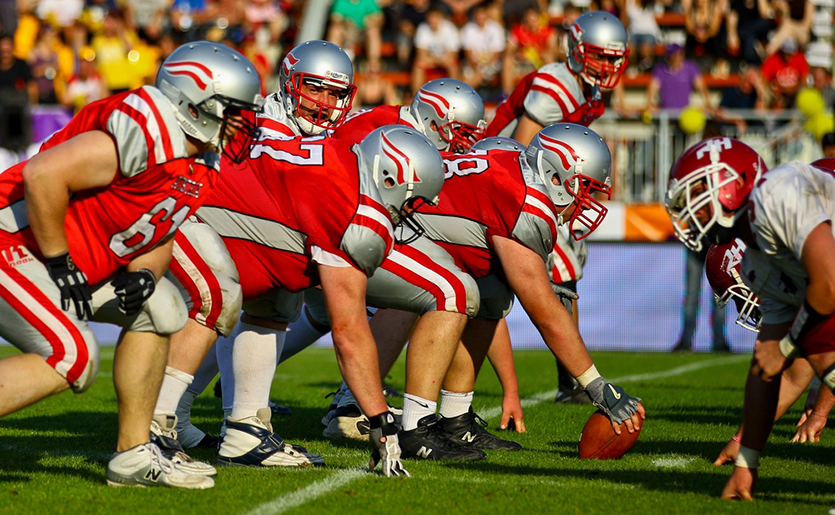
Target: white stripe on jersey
43	314
558	265
193	272
430	275
372	213
567	99
151	126
231	224
13	218
547	211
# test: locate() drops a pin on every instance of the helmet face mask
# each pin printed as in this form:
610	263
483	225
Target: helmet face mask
450	113
722	267
316	79
597	48
575	164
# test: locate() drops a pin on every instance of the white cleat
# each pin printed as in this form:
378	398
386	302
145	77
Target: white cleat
145	465
165	436
250	442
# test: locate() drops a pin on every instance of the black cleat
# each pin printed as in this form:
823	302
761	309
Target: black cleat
469	430
429	442
208	442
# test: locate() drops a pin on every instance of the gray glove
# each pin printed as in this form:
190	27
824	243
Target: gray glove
617	404
383	437
566	295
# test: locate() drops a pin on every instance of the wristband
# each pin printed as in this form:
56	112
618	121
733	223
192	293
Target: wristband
806	319
737	439
747	458
383	421
588	376
788	348
829	378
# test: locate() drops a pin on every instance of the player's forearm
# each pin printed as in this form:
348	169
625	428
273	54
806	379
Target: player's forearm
795	380
500	355
156	261
356	354
47	200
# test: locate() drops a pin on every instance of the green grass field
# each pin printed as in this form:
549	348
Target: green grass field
53	455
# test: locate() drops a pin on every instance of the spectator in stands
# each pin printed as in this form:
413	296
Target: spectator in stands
411	17
828	144
43	61
374	89
437	46
747	24
796	17
638	17
85	86
352	18
484	41
149	18
570	13
822	81
186	16
674	80
62	12
751	93
703	23
785	73
15	74
458	9
531	44
268	15
514	10
112	46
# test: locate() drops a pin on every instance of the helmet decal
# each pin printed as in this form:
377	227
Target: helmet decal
733	255
438	102
288	63
562	149
400	159
191	69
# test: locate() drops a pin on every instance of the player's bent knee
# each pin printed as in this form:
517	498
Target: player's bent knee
81	382
164	312
231	308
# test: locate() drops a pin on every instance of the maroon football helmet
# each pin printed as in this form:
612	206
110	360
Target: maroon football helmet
722	268
827	164
709	188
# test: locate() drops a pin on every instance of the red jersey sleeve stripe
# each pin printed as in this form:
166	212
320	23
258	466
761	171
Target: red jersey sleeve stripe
558	83
370	223
163	129
566	263
142	121
556	98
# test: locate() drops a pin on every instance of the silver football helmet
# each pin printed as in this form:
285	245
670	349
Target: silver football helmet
457	111
499	142
319	64
407	169
206	84
597	48
574	163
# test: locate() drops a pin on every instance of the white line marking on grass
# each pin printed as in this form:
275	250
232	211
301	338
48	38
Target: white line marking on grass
309	493
672	462
550	394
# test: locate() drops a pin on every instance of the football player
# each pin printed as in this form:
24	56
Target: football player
718	190
87	231
266	222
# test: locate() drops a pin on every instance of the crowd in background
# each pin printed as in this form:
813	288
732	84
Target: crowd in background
72	52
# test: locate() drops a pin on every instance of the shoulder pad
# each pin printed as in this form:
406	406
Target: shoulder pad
554	95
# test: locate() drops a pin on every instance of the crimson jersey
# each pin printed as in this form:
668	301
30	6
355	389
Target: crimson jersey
155	188
549	95
359	124
293	203
486	194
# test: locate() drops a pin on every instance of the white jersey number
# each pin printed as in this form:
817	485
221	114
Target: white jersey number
145	229
464	166
305	155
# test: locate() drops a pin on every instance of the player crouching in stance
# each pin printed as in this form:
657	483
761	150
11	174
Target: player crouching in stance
301	213
720	189
86	233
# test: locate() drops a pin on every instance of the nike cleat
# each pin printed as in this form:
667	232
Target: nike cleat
430	442
470	430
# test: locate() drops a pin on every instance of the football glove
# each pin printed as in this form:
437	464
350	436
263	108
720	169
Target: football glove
133	289
72	283
383	437
617	404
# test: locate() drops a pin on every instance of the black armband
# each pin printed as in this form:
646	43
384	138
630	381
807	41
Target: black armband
384	421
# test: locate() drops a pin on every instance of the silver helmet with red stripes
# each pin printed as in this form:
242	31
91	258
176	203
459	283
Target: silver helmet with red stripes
406	167
597	48
450	113
574	163
206	83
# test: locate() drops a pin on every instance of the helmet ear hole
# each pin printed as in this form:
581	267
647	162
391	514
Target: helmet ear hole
389	182
193	111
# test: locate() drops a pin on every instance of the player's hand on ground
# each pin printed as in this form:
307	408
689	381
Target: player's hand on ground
72	283
512	417
809	428
728	454
386	451
133	289
620	407
768	361
811	400
740	486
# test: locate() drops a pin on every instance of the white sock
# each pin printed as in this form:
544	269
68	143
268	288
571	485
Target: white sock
254	357
454	404
414	409
301	335
174	385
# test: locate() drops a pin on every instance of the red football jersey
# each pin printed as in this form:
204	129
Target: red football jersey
155	188
358	125
486	194
292	195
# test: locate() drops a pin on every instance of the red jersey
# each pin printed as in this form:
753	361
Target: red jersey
486	194
359	124
154	189
549	95
290	201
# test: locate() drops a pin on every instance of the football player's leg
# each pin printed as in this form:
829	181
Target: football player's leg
309	327
188	434
60	351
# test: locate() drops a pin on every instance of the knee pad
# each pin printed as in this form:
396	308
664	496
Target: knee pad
91	370
164	312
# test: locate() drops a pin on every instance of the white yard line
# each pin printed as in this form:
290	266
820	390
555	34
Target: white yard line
315	490
309	493
535	399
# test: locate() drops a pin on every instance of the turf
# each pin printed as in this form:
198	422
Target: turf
53	455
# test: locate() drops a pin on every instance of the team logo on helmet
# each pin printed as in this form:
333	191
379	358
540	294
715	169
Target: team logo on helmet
200	74
438	102
567	155
288	63
576	33
733	256
401	160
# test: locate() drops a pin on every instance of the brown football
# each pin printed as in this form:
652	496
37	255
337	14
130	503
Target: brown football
598	441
